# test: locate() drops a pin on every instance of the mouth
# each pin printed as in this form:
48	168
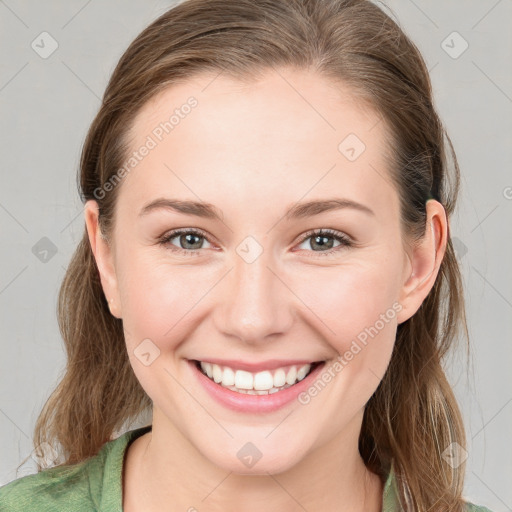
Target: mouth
264	382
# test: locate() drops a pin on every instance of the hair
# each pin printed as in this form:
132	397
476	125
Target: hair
413	415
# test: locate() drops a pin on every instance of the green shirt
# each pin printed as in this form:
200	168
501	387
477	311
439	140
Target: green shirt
96	484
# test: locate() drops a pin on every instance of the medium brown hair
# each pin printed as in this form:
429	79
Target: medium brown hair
413	416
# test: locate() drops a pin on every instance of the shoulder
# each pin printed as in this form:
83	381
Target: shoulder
391	502
44	491
92	484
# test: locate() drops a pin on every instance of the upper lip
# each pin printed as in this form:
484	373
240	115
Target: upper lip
253	367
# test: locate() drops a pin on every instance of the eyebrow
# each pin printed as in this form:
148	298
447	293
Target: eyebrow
296	211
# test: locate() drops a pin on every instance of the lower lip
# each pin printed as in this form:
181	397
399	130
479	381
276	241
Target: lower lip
241	402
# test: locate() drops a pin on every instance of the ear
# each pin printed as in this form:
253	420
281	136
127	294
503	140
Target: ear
425	258
104	256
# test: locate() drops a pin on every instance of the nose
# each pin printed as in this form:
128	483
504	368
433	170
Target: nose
256	305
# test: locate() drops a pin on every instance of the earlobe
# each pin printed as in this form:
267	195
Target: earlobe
103	256
425	259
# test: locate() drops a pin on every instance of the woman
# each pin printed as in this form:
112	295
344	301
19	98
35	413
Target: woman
267	268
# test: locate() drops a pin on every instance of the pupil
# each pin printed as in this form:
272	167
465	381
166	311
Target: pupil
320	240
188	237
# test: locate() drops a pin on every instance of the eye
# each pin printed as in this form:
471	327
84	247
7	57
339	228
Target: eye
324	240
189	241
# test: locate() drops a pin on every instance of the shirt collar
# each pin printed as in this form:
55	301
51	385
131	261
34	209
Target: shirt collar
390	501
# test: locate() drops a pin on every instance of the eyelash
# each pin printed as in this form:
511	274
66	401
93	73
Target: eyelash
345	241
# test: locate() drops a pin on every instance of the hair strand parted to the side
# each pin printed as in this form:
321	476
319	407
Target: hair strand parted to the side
413	415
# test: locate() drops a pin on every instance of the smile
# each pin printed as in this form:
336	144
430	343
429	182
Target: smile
256	383
234	384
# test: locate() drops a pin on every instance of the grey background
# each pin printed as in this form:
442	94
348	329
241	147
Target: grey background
48	103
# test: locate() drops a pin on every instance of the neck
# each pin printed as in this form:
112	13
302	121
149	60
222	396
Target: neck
163	471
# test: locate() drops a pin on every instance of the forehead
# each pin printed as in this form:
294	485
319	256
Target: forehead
310	101
288	134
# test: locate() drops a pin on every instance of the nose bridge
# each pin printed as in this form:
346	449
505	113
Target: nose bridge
256	305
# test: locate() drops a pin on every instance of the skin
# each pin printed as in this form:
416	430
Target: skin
252	150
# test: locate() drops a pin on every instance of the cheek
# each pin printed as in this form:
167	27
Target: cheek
350	297
160	304
356	309
159	298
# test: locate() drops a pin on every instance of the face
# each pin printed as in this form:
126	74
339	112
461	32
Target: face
253	283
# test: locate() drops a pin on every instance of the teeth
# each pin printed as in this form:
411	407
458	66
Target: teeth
291	376
302	372
243	380
228	377
217	373
261	383
279	378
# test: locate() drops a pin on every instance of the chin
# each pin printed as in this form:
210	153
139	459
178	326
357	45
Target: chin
256	458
